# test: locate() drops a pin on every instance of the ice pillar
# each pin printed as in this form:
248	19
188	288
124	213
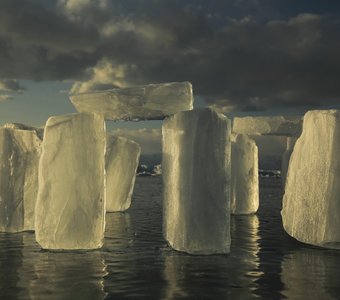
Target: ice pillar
196	176
122	157
244	175
19	160
311	203
70	209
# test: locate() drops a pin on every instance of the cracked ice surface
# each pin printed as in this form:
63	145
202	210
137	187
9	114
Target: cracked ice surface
122	157
196	177
148	102
19	160
275	125
311	203
244	179
70	209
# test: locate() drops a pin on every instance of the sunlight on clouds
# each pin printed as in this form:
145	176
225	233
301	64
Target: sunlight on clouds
4	98
10	85
104	75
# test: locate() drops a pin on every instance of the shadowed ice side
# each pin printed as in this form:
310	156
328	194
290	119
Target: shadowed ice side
19	158
148	102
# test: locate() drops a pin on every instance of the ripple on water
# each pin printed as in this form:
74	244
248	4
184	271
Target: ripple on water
135	261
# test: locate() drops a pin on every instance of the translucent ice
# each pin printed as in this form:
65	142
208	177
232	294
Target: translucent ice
19	161
70	209
122	159
149	102
39	131
244	175
275	125
196	176
311	203
286	157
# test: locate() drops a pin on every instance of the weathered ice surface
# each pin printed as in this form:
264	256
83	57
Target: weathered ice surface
196	177
70	210
244	175
311	204
39	131
275	125
19	161
149	102
122	157
286	157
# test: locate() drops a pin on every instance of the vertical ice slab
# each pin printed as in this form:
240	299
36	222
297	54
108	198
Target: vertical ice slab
196	177
148	102
244	175
70	209
122	157
19	160
311	203
286	157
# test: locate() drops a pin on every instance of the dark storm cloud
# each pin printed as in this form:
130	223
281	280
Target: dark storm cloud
240	54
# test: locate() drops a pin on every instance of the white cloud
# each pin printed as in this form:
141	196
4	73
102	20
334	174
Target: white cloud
10	85
4	98
103	75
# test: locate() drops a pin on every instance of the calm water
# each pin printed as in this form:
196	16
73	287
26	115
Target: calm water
136	263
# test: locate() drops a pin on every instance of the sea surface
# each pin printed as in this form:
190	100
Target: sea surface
136	263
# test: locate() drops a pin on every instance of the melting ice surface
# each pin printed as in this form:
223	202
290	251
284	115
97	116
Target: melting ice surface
135	262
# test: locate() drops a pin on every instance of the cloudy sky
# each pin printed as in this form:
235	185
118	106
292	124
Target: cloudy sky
250	56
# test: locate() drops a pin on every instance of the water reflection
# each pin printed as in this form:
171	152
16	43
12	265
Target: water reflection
311	273
217	277
10	264
64	275
133	245
136	263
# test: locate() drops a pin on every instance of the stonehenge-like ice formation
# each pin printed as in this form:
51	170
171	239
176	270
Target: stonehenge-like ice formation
311	203
70	209
286	157
244	175
19	160
148	102
196	177
122	157
274	125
